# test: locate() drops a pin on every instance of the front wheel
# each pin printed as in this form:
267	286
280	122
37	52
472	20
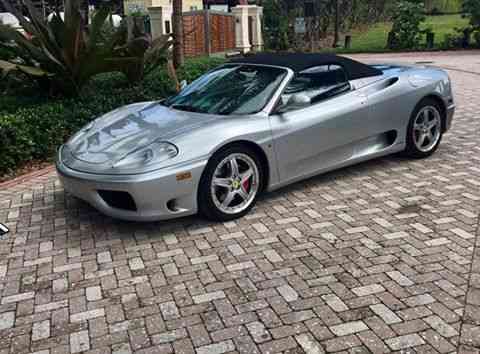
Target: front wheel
230	184
424	129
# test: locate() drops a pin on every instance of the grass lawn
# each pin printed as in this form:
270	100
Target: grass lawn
375	38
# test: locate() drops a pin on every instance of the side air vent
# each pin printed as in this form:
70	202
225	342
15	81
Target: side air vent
382	85
387	83
375	143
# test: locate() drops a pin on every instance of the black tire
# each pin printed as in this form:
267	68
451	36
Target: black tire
206	204
411	149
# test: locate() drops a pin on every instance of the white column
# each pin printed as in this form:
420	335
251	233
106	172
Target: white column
242	41
256	13
158	16
156	21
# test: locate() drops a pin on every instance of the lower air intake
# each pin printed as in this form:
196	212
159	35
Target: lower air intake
118	200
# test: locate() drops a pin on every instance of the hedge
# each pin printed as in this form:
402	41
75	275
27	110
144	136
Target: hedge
32	126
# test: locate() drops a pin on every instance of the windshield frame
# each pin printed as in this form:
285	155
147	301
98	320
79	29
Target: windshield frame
270	101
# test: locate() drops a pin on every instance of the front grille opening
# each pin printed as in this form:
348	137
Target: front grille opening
391	137
172	205
118	200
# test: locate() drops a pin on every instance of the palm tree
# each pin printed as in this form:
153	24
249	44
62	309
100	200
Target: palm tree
177	23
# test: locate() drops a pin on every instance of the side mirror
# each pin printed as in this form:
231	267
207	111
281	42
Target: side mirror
294	101
183	84
299	99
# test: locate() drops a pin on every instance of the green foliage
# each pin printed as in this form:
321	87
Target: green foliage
471	9
375	38
33	125
136	11
467	35
197	67
461	38
476	38
437	7
275	25
452	41
63	54
6	54
406	31
279	17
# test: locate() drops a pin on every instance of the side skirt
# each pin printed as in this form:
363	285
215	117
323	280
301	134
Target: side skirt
391	150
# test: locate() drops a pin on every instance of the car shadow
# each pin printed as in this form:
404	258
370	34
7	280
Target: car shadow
80	214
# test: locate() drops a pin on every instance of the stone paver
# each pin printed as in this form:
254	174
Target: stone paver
376	258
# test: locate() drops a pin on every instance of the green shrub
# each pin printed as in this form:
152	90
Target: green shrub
471	9
437	7
197	67
5	54
33	125
476	38
452	41
406	30
276	26
467	35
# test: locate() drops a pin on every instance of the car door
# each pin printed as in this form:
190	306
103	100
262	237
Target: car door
319	135
391	104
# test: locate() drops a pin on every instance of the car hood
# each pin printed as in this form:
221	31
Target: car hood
116	134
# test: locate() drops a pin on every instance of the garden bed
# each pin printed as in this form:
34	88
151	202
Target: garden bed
33	125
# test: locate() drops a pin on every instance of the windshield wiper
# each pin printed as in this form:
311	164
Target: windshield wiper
187	108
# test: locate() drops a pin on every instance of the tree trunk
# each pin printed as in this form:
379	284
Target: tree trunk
177	25
83	8
336	40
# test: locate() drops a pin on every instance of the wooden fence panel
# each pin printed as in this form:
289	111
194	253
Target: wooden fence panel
194	34
207	32
222	33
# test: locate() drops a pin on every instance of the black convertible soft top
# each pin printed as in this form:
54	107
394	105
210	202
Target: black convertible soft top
302	61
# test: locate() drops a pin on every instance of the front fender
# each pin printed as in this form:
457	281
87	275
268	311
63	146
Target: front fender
207	140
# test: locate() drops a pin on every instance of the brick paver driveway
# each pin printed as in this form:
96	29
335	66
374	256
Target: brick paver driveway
377	258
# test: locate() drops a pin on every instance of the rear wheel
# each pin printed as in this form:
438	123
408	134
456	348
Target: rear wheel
424	130
230	184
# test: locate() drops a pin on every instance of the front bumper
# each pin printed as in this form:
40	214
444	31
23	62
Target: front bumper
158	195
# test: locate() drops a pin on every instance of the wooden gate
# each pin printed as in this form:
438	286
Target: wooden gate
206	32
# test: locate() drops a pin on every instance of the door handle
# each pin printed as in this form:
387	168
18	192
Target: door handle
363	98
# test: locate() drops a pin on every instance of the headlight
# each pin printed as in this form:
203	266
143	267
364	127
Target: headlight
153	154
82	131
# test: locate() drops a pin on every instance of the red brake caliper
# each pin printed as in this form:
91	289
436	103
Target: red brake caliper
246	185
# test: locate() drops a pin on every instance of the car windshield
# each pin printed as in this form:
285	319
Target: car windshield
229	89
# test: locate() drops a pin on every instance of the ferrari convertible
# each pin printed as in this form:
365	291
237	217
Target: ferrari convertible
254	124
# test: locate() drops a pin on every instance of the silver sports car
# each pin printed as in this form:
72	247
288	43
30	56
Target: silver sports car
254	124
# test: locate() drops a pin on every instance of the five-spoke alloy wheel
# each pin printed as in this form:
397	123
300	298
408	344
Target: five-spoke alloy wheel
230	183
425	129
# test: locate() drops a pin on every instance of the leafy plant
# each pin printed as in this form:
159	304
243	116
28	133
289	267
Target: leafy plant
471	9
406	31
63	54
451	41
25	137
276	26
438	7
476	38
463	36
136	10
